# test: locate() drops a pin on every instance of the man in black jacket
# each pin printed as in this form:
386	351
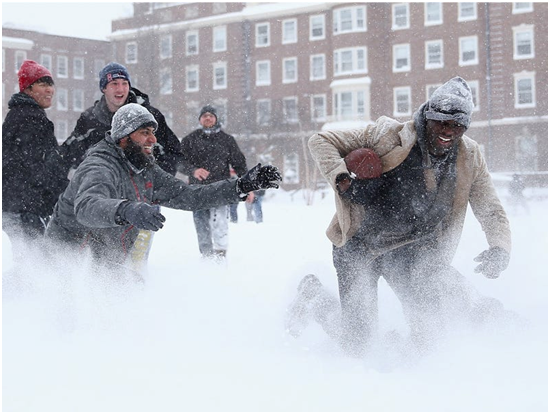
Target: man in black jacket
33	175
115	84
208	155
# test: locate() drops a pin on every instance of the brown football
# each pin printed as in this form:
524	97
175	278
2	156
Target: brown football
364	163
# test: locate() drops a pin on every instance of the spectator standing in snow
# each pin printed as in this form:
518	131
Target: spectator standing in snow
208	155
254	207
516	188
115	84
118	188
33	174
404	222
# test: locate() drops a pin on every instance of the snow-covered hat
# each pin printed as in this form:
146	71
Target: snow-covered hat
130	118
451	101
30	72
111	72
210	109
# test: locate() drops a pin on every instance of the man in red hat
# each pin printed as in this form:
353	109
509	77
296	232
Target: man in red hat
33	174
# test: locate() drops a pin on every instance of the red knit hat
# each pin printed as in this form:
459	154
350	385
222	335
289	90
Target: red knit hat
30	72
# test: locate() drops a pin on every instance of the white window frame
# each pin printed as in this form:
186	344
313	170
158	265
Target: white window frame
62	101
358	65
129	55
165	46
259	120
320	117
215	67
474	86
188	35
357	100
427	19
78	100
78	73
219	38
191	69
461	9
395	25
438	65
322	23
355	25
522	7
20	57
528	29
49	63
407	91
267	36
518	77
166	81
461	61
286	62
406	47
98	65
293	36
323	75
259	70
286	118
62	61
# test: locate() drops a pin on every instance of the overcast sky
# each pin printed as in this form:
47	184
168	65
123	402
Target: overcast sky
78	19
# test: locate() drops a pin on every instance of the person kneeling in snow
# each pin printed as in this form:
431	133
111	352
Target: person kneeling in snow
401	201
118	189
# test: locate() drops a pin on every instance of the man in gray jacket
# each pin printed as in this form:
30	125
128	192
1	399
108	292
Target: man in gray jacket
401	218
118	190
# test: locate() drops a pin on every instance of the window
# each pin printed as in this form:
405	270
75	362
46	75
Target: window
78	68
468	51
318	108
467	11
433	14
290	110
524	42
291	169
263	112
290	31
46	61
165	81
192	78
262	35
349	104
400	16
317	27
131	52
434	54
62	67
98	65
524	90
166	47
220	75
402	58
317	67
474	87
61	130
219	37
20	56
350	19
350	61
78	100
192	43
402	101
524	7
263	73
290	70
62	99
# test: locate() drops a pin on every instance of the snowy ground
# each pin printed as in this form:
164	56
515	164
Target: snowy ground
204	337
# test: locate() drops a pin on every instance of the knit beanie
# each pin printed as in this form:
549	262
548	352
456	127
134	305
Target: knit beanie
30	72
210	109
451	101
130	118
111	72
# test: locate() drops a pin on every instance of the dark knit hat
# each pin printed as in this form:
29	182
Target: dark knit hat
130	118
210	109
451	101
30	72
111	72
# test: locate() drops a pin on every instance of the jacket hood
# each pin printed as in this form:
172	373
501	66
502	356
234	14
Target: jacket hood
101	111
19	99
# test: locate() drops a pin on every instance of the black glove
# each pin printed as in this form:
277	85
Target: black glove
493	261
142	215
360	191
259	178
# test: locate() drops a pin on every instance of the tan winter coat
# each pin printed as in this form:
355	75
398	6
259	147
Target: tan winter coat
392	141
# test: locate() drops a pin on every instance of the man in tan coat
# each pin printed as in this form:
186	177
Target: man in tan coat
405	222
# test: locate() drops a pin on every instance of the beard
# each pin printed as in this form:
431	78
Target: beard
135	155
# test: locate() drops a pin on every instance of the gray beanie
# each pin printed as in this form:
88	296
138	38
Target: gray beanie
130	118
451	101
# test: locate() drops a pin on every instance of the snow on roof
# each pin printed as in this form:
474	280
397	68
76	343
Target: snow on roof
366	80
17	43
343	125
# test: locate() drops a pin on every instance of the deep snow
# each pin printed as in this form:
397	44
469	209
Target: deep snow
199	336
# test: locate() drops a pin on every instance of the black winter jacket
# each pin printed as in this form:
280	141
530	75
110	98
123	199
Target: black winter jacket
214	152
33	173
96	120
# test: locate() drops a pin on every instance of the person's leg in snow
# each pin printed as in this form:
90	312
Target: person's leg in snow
204	233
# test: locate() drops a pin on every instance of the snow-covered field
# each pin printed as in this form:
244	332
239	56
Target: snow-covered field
198	336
